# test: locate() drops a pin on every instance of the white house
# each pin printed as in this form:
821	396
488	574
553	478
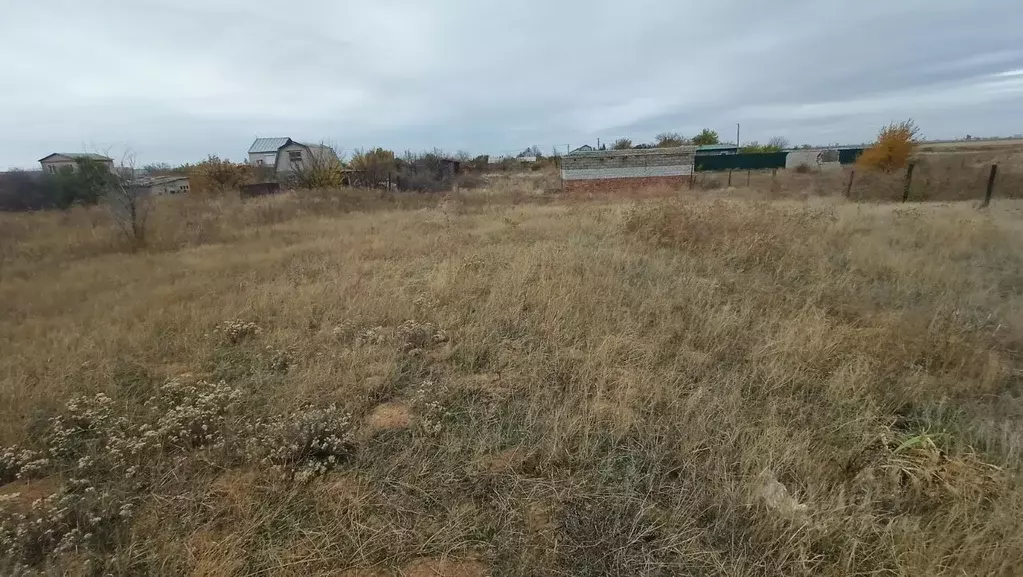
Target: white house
263	151
285	155
528	155
59	161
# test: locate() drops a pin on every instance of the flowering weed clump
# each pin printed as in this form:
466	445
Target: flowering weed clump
429	401
414	336
109	456
17	463
309	442
236	331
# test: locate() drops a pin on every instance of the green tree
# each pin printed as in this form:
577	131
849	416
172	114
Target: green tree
94	180
622	144
85	183
705	137
776	144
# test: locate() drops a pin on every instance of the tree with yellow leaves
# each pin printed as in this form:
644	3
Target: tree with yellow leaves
895	145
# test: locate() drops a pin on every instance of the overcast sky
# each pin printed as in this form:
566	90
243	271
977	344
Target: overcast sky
177	80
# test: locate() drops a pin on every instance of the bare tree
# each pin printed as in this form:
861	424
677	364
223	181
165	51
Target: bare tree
670	139
778	143
130	201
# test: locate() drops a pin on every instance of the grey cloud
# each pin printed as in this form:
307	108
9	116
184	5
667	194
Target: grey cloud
176	80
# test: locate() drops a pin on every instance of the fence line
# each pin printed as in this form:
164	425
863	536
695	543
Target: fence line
921	181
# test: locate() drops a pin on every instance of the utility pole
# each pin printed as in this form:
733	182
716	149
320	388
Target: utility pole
737	135
598	143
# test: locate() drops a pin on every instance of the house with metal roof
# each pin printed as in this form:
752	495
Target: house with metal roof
285	155
59	161
263	151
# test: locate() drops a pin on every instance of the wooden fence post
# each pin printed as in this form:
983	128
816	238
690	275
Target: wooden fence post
729	178
848	187
990	186
909	182
749	174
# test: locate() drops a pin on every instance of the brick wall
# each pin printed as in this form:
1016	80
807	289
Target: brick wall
618	184
631	165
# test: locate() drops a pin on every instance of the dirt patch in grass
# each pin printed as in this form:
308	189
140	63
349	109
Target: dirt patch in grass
392	416
18	496
512	461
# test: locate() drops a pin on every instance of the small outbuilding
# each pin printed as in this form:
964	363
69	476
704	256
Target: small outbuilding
161	185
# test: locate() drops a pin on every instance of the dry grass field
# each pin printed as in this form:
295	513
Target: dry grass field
487	384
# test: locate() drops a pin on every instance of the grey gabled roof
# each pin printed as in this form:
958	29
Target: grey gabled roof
269	144
77	155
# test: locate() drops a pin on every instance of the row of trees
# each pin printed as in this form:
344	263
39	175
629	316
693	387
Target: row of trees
704	138
670	140
376	167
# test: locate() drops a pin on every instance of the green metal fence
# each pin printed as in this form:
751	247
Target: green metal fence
849	155
741	161
760	160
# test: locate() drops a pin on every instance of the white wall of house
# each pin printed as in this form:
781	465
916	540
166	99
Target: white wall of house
292	158
262	158
60	163
55	166
295	157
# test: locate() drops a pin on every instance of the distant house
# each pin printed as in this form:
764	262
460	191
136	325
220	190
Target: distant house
161	185
583	148
285	155
263	151
528	155
59	161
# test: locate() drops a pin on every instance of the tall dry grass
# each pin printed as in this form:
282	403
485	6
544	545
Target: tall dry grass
633	388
